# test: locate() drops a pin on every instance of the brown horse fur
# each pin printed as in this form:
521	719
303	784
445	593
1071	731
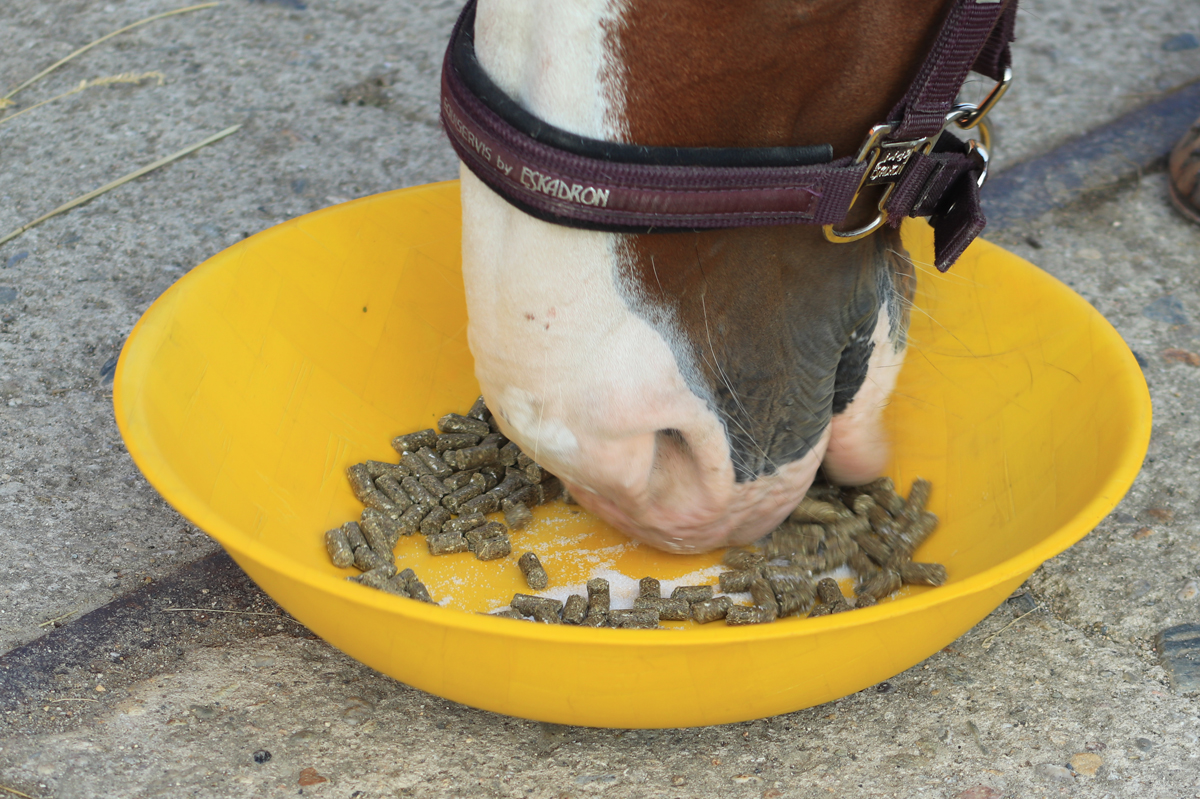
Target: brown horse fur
776	321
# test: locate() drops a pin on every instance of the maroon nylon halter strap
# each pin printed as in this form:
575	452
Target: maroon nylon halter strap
567	188
967	40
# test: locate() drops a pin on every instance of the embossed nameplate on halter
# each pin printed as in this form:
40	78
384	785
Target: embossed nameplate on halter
892	158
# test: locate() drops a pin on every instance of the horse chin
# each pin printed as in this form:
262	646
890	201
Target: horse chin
858	444
857	454
674	509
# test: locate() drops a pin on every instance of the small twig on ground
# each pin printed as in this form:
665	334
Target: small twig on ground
50	622
987	642
72	699
110	80
15	792
118	182
6	100
978	738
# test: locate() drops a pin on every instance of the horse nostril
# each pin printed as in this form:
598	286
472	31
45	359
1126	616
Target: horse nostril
673	439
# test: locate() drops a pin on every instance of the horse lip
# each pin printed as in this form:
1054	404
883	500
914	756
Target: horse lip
748	512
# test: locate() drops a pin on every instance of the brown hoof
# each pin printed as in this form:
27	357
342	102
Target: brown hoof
1184	171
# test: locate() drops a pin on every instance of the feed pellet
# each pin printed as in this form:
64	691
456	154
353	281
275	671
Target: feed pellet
693	593
631	619
712	610
339	548
414	441
526	603
535	576
922	573
447	544
738	615
737	582
575	609
493	548
545	615
455	441
669	609
453	423
742	559
828	591
516	515
433	521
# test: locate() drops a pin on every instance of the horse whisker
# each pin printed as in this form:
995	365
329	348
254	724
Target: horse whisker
724	377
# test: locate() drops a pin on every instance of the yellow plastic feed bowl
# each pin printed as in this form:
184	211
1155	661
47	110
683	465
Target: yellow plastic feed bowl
250	385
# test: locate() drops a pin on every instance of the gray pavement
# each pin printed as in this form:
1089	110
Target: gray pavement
188	701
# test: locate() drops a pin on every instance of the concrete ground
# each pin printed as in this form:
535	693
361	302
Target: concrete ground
338	100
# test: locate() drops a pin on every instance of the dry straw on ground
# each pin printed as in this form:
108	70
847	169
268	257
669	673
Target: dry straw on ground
91	195
14	792
110	80
6	100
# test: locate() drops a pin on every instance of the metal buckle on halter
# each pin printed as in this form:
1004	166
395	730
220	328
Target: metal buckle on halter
886	161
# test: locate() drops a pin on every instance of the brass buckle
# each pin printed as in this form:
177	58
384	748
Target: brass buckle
886	162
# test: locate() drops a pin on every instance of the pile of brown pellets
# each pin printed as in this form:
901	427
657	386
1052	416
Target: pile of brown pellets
870	529
448	480
596	609
445	484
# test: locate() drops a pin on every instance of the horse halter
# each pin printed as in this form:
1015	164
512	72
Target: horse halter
571	180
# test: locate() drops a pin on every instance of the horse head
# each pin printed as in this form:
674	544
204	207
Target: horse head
686	386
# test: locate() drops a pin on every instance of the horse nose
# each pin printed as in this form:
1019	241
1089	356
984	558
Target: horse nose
673	488
690	502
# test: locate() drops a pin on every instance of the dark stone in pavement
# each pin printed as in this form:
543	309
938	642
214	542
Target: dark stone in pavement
1184	41
1166	309
1179	650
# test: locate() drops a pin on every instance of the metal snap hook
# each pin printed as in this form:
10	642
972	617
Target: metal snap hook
967	116
981	150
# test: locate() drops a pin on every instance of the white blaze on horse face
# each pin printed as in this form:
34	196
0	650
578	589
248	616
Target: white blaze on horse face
580	382
551	56
858	445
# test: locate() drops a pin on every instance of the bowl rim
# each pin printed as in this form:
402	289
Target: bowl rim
165	480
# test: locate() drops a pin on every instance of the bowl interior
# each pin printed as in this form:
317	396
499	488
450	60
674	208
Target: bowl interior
252	383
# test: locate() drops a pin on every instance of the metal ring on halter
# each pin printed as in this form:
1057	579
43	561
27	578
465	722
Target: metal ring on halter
976	113
985	135
967	116
886	160
839	237
869	153
960	112
981	150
